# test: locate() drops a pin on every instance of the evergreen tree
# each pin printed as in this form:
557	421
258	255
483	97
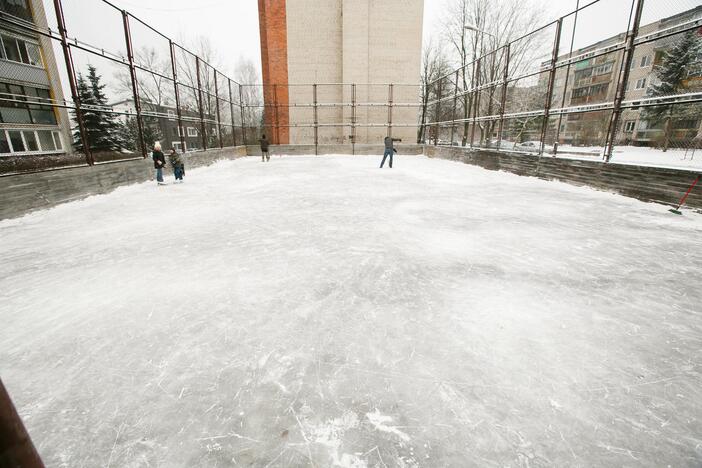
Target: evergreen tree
102	128
670	75
129	133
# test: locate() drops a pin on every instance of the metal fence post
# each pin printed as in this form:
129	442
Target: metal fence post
437	126
219	117
476	102
16	447
203	129
231	111
567	74
503	98
275	114
181	130
551	81
71	72
390	104
622	80
135	89
243	114
316	121
455	103
353	118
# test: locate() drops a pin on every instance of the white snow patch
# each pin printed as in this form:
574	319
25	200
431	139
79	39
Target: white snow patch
378	420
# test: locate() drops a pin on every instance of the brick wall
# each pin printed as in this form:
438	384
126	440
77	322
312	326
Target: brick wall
650	184
20	194
272	19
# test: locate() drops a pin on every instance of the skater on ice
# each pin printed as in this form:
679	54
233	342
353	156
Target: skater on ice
265	156
176	161
159	162
389	149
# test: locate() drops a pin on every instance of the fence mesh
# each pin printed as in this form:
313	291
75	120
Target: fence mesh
83	92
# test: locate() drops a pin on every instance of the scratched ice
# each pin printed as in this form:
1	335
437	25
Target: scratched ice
319	311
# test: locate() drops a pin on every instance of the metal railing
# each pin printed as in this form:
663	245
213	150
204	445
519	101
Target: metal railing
552	97
121	94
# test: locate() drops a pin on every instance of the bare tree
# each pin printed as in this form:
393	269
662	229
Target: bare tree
501	22
248	75
434	66
153	87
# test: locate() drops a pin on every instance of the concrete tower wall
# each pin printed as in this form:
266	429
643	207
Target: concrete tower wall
330	42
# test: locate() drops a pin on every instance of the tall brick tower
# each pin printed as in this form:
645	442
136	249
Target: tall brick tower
272	20
330	42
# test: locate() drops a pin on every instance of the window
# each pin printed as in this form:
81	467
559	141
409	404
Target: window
641	83
15	108
4	144
180	131
645	61
57	140
176	145
192	132
46	140
29	141
16	8
685	124
16	140
602	69
20	50
629	126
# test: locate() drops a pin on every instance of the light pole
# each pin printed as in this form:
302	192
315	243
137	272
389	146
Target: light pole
470	27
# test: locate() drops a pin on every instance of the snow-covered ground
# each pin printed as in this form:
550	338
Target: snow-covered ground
318	311
673	158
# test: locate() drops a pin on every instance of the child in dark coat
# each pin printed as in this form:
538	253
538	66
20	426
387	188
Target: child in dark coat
176	161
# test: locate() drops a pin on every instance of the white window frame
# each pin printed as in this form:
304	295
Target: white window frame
641	83
194	132
176	145
629	126
181	131
645	61
55	134
25	41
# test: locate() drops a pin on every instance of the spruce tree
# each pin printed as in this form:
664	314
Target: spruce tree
671	74
102	128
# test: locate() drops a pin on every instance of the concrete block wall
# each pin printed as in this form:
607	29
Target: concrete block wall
22	193
650	184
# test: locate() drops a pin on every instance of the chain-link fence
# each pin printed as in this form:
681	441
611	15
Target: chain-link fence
611	80
320	114
86	83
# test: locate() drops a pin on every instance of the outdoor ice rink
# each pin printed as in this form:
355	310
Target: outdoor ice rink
319	311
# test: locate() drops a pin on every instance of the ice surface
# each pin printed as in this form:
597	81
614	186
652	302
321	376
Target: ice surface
319	311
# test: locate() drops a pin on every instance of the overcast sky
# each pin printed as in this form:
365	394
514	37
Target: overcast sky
232	25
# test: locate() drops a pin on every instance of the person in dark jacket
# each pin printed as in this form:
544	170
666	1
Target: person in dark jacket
176	161
389	150
265	156
159	162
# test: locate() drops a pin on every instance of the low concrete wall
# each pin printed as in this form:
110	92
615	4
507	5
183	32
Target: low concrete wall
22	193
650	184
337	149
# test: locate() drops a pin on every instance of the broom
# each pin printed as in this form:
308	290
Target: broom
682	200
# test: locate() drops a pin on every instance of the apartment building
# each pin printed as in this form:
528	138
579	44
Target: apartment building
594	80
163	123
29	83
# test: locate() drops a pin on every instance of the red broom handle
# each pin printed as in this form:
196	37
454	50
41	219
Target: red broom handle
687	194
